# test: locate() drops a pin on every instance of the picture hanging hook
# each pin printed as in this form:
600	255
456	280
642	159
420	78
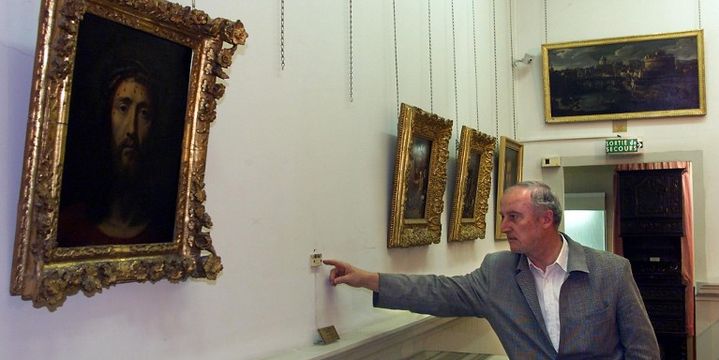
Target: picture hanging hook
526	60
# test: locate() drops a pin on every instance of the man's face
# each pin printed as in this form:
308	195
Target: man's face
131	121
523	225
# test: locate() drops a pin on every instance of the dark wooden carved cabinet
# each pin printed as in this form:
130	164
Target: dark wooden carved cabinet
651	228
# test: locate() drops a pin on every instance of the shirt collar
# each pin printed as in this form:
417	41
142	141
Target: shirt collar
563	257
561	260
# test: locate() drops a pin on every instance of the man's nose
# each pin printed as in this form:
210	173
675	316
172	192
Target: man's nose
503	225
132	121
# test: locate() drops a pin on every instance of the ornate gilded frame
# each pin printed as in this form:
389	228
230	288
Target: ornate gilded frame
46	273
633	77
420	178
473	184
509	172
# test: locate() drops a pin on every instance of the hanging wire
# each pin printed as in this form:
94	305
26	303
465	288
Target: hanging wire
396	62
429	51
699	12
351	55
454	59
496	80
546	23
514	72
282	34
476	80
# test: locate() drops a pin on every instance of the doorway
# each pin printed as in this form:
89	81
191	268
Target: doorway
589	204
585	218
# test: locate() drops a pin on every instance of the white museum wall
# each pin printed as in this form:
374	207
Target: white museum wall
293	167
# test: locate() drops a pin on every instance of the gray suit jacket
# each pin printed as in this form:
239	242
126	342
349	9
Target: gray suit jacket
601	312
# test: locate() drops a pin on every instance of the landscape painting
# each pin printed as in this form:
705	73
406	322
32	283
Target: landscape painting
622	78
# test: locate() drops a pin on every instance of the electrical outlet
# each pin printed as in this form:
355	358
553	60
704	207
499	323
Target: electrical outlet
554	161
315	260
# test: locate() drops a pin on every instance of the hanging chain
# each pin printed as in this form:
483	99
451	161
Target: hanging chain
454	59
351	56
282	34
699	12
496	80
429	51
514	72
546	23
396	62
476	81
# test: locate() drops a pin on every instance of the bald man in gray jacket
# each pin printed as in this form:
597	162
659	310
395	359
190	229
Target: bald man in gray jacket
547	298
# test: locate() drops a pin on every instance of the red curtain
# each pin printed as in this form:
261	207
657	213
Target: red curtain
688	220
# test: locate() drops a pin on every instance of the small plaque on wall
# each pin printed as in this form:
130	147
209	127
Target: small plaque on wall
328	334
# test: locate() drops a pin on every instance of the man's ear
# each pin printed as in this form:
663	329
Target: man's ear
547	218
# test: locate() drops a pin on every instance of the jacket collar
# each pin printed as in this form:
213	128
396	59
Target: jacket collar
577	258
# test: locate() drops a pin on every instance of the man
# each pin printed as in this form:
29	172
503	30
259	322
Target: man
549	298
119	209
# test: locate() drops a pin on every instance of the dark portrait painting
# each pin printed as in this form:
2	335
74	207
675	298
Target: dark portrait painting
511	164
124	137
470	187
418	179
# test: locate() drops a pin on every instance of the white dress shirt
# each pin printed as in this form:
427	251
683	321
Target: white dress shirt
549	283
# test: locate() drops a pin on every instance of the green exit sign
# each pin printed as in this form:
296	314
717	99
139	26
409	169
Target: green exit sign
623	145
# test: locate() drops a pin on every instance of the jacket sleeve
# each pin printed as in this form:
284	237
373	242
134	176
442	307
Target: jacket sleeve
635	330
433	294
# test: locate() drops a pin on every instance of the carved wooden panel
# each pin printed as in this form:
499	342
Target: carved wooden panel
655	195
651	202
651	227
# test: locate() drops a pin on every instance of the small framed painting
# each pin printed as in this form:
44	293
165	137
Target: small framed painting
420	178
473	184
509	172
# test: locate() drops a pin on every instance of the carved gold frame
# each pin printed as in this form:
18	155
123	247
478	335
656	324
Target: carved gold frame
472	142
506	145
415	123
596	51
42	271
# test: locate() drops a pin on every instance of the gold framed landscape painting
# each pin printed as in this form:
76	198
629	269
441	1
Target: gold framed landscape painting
112	189
473	184
420	178
509	172
634	77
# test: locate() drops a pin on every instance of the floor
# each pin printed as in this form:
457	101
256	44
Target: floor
448	355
